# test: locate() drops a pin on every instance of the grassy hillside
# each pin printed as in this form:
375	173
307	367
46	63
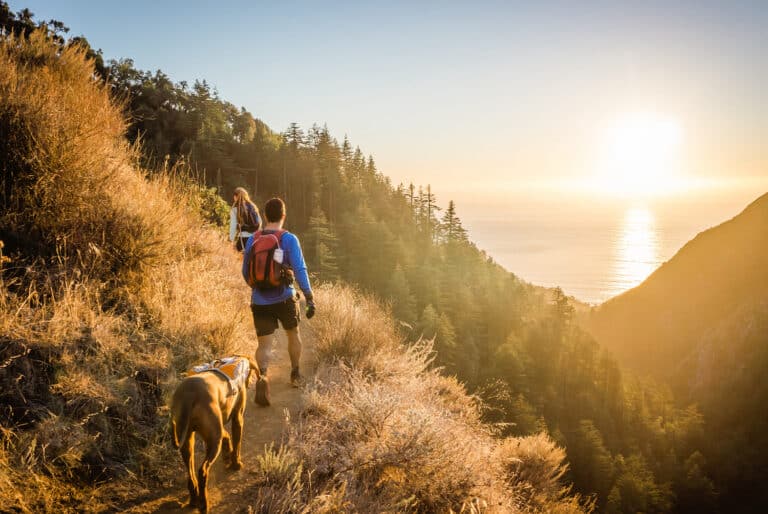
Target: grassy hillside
115	283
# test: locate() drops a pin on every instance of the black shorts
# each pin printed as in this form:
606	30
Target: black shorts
265	317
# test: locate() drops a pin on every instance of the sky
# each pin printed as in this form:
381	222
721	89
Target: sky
477	98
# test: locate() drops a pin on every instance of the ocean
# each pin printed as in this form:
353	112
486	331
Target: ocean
593	249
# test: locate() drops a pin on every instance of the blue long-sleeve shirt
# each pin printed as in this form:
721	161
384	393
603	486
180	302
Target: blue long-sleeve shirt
294	259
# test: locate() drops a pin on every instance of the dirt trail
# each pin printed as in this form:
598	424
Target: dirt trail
228	490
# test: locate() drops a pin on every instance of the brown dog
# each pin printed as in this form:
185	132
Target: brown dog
204	402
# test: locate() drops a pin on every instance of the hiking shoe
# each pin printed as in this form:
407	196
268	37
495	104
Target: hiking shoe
296	378
262	392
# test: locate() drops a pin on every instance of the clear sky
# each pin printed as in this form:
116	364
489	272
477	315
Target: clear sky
470	96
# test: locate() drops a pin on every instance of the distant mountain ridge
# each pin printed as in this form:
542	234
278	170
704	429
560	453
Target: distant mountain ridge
658	326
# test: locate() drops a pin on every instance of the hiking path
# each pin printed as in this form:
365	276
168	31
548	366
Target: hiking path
228	491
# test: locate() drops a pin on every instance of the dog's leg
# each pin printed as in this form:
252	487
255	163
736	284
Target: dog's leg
212	449
237	434
188	456
226	446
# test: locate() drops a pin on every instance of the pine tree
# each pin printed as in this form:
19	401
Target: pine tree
399	294
592	464
327	269
427	324
321	243
243	126
412	199
446	344
638	489
294	137
451	230
428	213
696	492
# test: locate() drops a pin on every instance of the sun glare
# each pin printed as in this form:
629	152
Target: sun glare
640	155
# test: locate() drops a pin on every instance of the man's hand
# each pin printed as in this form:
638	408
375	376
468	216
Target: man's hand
310	307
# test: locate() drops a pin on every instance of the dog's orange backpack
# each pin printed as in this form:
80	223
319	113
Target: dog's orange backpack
264	272
235	369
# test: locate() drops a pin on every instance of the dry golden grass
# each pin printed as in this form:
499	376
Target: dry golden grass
114	285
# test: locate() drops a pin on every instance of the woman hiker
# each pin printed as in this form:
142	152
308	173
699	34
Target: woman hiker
244	219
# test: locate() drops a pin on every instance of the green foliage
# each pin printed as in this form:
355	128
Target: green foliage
591	460
213	208
637	490
320	245
696	492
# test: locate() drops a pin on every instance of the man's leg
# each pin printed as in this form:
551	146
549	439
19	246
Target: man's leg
265	322
289	314
294	346
263	356
264	352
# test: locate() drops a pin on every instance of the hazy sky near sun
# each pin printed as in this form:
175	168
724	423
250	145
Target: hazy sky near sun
479	96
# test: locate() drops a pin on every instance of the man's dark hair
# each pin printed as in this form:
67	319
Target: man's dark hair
274	210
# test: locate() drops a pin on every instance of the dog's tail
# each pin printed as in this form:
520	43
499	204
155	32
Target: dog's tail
180	426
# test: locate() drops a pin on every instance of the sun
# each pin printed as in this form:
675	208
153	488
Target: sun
640	155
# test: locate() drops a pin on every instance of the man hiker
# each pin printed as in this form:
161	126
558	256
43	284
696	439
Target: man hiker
272	262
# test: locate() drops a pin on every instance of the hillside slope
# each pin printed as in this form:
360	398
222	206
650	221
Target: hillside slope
115	285
701	323
662	326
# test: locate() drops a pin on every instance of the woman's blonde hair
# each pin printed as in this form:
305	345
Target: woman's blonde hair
242	199
241	193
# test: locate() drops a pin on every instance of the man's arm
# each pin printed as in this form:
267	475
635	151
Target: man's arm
297	264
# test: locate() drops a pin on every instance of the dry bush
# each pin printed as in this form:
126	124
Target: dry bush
357	331
417	455
115	284
534	466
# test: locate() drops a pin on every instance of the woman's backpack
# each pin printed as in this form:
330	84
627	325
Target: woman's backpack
264	272
247	218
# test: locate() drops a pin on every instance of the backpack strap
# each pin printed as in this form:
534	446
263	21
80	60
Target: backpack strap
252	216
278	234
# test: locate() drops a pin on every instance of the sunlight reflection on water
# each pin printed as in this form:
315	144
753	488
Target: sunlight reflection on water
593	250
636	251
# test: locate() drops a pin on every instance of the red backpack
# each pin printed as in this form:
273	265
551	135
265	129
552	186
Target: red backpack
263	271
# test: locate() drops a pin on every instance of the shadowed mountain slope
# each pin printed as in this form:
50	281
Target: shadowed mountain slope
663	326
701	323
